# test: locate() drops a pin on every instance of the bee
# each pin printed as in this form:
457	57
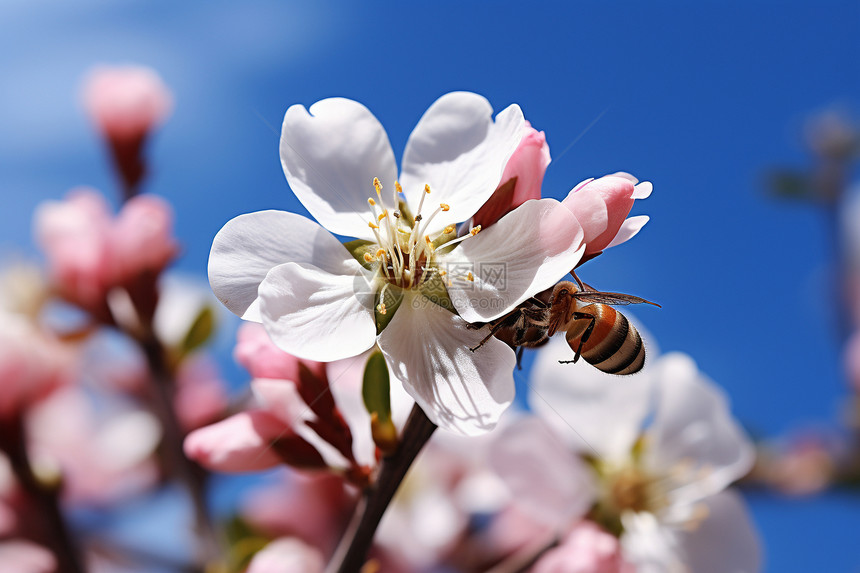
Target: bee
595	331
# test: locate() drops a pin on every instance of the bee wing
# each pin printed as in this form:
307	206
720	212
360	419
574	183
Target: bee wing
613	298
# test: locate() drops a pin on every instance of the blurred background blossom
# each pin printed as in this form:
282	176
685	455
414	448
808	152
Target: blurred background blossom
743	115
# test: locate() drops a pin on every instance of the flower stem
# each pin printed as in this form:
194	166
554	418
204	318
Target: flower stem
522	560
44	499
192	476
352	552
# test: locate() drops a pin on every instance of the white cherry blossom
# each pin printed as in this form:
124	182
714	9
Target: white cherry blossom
647	456
412	280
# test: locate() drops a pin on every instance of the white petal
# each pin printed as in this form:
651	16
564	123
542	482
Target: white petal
427	349
694	429
459	151
526	251
629	228
316	315
642	190
627	176
651	547
725	541
593	411
250	245
330	157
545	478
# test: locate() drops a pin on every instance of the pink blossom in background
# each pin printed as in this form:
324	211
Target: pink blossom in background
201	396
312	507
104	452
126	102
585	549
32	364
528	165
601	207
20	556
287	555
90	251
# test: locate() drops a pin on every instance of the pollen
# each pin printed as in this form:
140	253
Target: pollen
381	308
370	201
398	186
372	225
381	216
449	229
377	185
369	258
475	230
380	252
427	188
470	277
444	206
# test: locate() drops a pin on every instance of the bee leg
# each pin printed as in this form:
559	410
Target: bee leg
520	357
493	330
585	335
579	282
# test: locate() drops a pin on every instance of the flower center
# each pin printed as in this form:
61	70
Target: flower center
405	245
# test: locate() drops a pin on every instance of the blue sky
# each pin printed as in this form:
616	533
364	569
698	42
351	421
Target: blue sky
699	98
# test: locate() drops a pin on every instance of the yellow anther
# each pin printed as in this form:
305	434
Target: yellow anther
381	308
377	184
381	216
427	238
426	188
470	277
429	243
444	206
369	258
442	272
370	201
398	186
475	230
372	225
380	252
449	229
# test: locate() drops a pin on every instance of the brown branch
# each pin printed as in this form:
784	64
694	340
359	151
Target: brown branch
43	498
352	552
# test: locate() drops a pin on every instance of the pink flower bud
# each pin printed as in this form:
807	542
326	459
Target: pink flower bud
241	443
259	355
250	441
521	180
601	207
74	235
90	252
586	549
287	555
126	102
141	238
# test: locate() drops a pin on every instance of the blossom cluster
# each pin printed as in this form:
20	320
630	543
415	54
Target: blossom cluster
403	306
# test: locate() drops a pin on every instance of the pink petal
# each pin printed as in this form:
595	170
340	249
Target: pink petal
601	207
528	165
126	101
142	238
241	443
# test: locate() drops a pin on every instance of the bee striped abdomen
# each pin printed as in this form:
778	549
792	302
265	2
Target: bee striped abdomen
614	345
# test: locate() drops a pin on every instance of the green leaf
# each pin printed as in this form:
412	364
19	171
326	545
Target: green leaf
199	331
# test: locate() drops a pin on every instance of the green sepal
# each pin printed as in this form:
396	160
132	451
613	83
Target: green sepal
376	393
436	292
392	300
358	248
405	213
